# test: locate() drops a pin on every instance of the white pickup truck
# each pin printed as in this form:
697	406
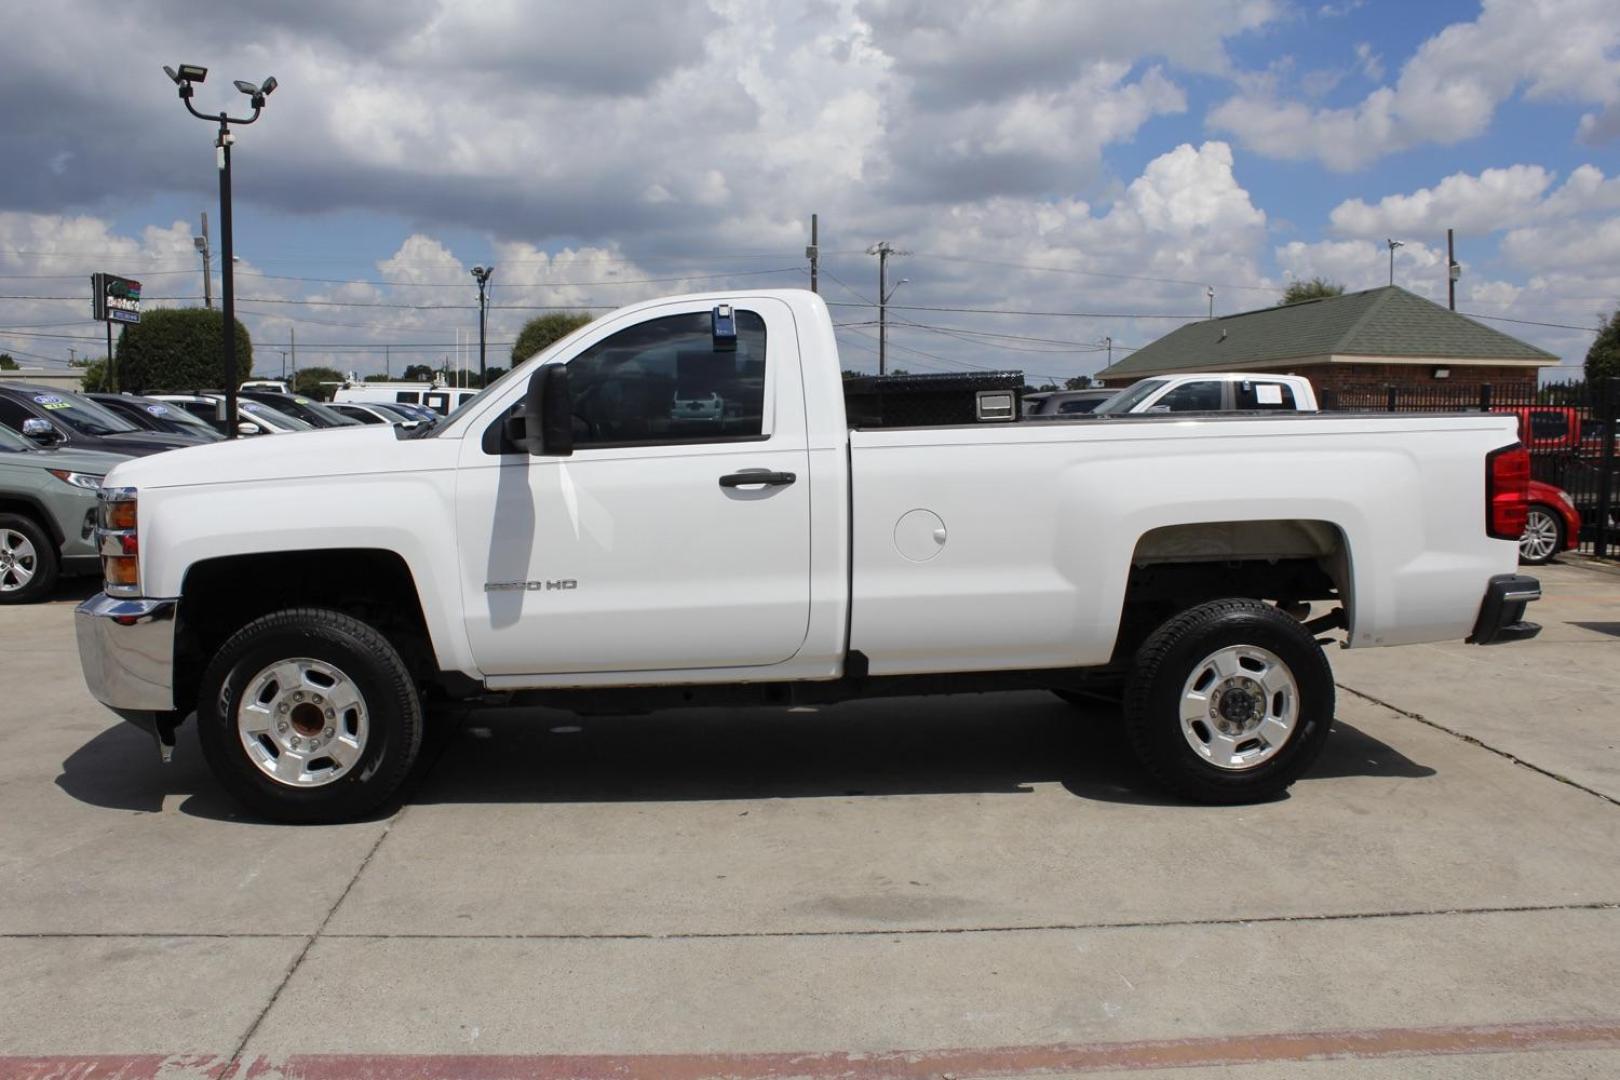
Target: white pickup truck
1212	391
577	536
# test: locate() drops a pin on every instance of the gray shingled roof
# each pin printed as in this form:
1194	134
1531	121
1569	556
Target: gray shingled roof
1387	321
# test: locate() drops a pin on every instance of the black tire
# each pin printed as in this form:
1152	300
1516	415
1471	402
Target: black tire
1545	517
378	673
46	563
1176	652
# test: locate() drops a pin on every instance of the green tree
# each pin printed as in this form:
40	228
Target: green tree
1079	382
1603	358
178	349
7	363
308	382
539	332
493	373
94	378
1315	289
380	376
418	373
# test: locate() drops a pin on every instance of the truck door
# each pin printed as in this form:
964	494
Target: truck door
651	547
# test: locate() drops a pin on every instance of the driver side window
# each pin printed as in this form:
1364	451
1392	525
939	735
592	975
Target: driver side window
663	381
1204	396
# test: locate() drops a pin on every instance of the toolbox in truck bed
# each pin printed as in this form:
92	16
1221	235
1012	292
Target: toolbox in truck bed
970	397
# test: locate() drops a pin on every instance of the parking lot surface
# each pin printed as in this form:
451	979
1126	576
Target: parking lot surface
969	886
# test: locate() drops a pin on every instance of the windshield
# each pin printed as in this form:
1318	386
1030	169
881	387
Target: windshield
178	419
80	413
476	397
10	440
1129	397
316	412
257	410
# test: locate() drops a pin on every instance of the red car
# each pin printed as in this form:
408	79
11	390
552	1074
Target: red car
1553	525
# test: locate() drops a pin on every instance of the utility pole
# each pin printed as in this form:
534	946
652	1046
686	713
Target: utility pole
813	253
1109	343
208	275
883	249
292	345
1453	272
1393	244
1209	291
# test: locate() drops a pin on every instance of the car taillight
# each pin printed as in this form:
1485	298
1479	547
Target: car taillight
119	542
1507	492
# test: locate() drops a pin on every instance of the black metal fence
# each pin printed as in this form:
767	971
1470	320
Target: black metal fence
1570	429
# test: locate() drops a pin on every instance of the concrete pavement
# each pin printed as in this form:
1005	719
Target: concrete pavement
976	885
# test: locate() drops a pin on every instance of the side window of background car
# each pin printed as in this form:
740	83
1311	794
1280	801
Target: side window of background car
663	381
1255	394
12	414
1203	396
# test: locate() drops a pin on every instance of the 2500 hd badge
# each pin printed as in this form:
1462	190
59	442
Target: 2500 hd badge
530	586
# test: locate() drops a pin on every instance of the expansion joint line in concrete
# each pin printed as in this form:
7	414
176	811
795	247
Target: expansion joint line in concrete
1467	738
888	932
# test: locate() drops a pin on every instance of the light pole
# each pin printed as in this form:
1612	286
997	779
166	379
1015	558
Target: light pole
1393	244
481	273
188	74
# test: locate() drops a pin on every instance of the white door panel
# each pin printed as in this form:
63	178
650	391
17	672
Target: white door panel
633	557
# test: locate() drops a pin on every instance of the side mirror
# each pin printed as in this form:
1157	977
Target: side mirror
245	428
40	430
548	413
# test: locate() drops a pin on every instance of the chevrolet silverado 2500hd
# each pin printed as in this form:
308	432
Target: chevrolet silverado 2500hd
580	535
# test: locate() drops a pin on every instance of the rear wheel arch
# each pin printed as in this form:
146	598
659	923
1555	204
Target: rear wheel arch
1288	562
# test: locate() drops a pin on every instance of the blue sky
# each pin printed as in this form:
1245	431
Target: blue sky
1105	160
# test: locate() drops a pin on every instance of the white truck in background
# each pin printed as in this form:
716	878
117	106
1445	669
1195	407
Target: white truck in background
1213	391
574	537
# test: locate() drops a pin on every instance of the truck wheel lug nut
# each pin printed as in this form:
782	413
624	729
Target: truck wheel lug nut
282	727
317	699
330	714
327	733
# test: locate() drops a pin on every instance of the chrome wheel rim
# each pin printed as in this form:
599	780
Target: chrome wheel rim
19	562
1540	539
302	722
1239	707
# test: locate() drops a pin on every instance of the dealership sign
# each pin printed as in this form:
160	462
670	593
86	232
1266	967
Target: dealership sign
115	299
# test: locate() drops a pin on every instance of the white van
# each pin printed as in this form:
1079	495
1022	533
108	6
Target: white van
441	399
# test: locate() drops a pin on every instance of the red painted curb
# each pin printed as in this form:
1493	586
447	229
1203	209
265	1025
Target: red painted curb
839	1065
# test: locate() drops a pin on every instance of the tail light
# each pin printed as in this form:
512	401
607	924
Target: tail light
119	542
1507	492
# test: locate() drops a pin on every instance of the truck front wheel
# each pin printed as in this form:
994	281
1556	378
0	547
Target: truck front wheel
309	715
1229	702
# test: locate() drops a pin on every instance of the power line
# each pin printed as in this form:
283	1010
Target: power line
1091	273
1530	322
1036	314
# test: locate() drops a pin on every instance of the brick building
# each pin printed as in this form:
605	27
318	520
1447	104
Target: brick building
1358	341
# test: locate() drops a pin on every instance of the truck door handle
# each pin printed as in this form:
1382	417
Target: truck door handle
757	476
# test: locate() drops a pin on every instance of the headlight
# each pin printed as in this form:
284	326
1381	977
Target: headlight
1569	502
77	479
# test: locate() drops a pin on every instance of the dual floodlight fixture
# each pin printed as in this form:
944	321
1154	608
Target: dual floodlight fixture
195	73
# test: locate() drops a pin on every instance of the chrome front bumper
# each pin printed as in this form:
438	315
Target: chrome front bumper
126	648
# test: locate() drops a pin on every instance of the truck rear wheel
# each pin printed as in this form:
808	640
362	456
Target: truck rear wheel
1229	702
309	715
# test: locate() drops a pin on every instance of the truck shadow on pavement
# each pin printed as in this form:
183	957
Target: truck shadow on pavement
985	744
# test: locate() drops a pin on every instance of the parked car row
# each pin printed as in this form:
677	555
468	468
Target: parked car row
57	445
